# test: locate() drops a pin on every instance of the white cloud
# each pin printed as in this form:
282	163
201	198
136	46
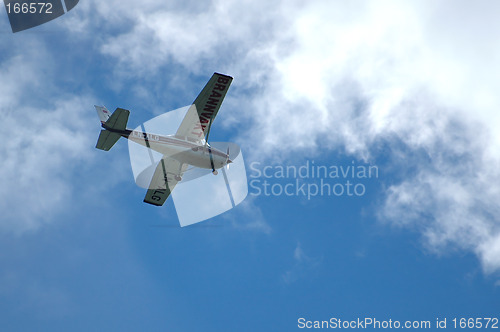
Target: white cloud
257	222
42	139
191	36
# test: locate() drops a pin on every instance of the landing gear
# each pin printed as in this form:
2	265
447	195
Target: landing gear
178	178
215	172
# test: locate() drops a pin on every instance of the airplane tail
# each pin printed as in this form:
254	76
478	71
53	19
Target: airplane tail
112	123
103	113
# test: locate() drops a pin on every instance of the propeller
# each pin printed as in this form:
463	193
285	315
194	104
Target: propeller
228	161
227	181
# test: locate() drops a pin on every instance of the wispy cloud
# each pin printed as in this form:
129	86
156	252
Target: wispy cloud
254	220
302	267
42	137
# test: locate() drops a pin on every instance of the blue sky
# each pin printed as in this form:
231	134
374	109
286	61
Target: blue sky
410	88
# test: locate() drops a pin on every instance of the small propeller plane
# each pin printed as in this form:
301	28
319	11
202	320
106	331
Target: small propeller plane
188	146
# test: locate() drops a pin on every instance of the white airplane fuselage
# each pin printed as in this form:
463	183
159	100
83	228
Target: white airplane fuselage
185	151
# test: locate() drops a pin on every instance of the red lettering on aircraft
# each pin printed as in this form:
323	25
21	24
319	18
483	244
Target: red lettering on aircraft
223	80
220	87
198	130
209	108
215	94
197	133
213	101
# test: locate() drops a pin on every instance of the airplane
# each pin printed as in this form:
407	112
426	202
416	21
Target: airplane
188	146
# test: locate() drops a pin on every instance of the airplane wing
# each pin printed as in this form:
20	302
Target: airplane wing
198	120
164	180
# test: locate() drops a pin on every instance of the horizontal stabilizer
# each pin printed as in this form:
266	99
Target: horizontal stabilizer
106	140
118	119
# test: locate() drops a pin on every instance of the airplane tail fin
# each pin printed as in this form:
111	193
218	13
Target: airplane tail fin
103	113
111	122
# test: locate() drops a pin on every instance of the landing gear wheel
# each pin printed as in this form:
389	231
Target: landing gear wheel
215	172
178	178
